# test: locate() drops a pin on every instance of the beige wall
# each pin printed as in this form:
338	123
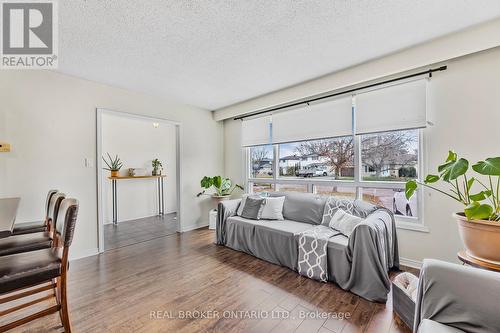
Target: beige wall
50	120
464	107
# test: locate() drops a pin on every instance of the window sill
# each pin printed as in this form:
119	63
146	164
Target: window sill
412	226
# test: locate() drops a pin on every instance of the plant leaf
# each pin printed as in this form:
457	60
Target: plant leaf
452	156
431	179
489	167
453	170
480	196
470	182
478	211
206	182
410	188
217	181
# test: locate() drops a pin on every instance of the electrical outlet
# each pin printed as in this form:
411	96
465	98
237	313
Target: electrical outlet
4	147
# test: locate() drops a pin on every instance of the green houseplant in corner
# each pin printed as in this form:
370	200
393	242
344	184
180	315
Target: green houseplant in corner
113	165
223	187
479	222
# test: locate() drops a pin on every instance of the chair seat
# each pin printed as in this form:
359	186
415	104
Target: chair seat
24	243
29	227
29	268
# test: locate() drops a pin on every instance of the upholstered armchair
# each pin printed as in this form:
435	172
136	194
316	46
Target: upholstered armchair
453	298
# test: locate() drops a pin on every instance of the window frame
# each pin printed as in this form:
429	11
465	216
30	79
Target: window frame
402	222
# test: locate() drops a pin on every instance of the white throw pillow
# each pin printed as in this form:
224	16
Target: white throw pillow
344	222
273	208
242	204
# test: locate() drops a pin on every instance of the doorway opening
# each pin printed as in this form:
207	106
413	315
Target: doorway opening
141	201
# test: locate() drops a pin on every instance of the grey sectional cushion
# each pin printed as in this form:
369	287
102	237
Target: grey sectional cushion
302	207
253	208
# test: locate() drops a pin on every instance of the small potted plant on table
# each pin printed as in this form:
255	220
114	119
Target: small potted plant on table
156	164
113	165
479	222
223	188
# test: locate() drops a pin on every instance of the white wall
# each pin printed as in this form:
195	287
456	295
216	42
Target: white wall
464	105
475	39
50	120
137	143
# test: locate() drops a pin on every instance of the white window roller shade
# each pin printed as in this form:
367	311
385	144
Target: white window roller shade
391	108
316	121
255	131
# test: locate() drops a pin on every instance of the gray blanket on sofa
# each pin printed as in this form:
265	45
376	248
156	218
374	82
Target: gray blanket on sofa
359	263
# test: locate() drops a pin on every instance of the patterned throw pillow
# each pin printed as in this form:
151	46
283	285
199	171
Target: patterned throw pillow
332	205
354	207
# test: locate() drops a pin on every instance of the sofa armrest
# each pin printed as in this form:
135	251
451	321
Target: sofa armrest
225	209
229	205
462	297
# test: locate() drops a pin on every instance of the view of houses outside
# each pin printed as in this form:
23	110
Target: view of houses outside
385	157
261	161
390	156
328	159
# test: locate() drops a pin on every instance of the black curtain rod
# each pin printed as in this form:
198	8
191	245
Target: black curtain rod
427	72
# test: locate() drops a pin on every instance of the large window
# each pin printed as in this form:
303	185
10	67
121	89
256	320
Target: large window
330	167
363	146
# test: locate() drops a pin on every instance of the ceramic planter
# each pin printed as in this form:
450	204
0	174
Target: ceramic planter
114	173
481	238
219	198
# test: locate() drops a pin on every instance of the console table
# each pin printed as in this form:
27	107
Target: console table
159	183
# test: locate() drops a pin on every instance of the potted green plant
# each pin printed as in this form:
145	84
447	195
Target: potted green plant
156	167
223	188
479	222
113	165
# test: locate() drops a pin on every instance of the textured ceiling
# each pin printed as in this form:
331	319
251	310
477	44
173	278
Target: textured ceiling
215	53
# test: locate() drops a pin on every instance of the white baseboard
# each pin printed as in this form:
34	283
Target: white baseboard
193	227
84	254
410	263
138	218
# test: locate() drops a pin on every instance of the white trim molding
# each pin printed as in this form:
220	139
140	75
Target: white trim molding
194	227
410	263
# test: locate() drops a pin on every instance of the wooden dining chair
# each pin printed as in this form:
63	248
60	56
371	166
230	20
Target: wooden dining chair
36	226
23	275
34	241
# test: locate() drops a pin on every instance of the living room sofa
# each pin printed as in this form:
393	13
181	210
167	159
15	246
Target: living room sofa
359	263
453	298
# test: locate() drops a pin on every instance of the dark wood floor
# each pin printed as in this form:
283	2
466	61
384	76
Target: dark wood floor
137	231
119	290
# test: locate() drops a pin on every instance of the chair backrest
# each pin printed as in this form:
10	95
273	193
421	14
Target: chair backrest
55	202
66	220
47	202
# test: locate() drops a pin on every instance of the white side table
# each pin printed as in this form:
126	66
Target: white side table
212	219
